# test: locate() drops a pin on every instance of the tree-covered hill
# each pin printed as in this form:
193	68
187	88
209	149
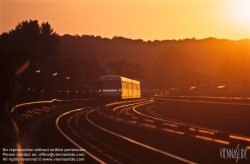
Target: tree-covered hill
205	55
167	63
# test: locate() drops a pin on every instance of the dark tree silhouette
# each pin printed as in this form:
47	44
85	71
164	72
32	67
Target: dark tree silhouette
35	44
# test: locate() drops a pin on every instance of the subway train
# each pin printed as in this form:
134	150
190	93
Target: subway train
113	87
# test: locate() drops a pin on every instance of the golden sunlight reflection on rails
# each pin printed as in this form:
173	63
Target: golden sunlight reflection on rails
211	139
240	138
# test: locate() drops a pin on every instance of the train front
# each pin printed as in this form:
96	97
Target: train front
110	88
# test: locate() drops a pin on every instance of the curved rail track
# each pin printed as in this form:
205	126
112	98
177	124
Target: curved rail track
106	142
128	133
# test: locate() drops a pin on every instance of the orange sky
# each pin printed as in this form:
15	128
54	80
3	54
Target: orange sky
144	19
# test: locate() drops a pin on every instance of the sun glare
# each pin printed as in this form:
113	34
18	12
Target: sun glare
241	11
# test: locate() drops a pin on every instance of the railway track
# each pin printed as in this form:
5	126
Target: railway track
85	130
127	133
136	115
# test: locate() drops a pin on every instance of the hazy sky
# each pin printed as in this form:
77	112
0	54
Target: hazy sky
136	19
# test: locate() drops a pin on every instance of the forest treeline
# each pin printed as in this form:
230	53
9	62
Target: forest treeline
166	63
31	68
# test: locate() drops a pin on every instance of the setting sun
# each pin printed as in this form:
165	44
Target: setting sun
139	19
241	11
